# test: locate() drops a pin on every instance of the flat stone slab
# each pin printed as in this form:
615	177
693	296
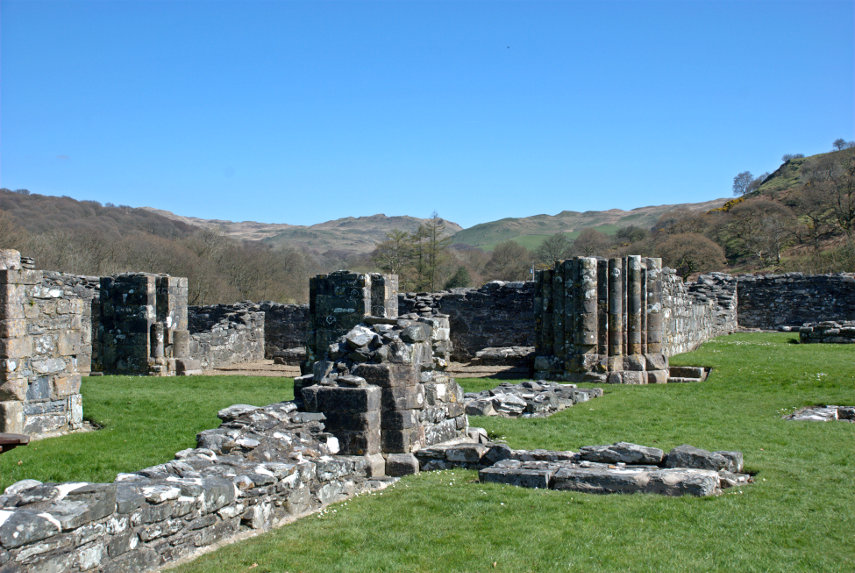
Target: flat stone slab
824	414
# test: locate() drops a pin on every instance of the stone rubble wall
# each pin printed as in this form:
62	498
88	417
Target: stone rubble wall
696	312
43	350
382	387
221	334
828	332
792	299
260	468
498	314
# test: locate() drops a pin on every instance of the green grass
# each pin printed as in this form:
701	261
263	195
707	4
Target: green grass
796	517
145	421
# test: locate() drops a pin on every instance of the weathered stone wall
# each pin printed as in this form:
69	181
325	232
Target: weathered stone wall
262	466
42	339
830	332
498	314
226	334
696	312
792	299
143	325
286	326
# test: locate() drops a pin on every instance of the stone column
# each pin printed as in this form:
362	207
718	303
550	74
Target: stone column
558	300
654	306
615	310
602	308
633	304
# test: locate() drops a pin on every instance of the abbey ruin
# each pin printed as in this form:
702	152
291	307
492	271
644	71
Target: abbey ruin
376	398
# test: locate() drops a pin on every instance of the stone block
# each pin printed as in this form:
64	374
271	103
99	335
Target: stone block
399	419
63	386
12	417
362	421
400	440
622	452
401	465
14	389
675	482
13	328
532	478
687	371
403	398
21	347
340	399
656	361
188	367
466	453
687	456
601	480
634	377
388	375
359	443
635	362
657	376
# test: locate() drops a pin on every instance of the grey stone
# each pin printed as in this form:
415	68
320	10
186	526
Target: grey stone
532	478
401	465
622	452
687	456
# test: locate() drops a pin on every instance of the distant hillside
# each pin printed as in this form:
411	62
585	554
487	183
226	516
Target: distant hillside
342	238
531	231
42	213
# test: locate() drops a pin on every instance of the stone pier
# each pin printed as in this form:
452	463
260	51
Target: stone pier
600	320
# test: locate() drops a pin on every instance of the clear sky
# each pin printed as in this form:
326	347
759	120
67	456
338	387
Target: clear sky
302	112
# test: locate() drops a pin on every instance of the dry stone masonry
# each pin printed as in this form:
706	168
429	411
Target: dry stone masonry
143	328
793	299
43	349
221	335
601	320
830	332
261	467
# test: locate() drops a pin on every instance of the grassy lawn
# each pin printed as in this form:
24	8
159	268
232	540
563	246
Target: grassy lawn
797	516
144	421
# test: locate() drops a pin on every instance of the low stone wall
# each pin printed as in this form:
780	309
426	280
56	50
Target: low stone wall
498	314
829	332
792	299
696	312
226	334
226	487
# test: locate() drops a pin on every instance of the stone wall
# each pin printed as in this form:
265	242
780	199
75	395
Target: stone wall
143	325
792	299
286	326
261	467
498	314
696	312
43	349
226	334
830	332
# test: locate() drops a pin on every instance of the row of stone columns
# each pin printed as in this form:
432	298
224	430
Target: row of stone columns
595	316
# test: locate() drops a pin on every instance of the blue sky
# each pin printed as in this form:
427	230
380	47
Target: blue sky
302	112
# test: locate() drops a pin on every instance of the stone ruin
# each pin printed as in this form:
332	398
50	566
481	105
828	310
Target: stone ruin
376	404
829	331
143	325
42	340
599	320
827	413
378	379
